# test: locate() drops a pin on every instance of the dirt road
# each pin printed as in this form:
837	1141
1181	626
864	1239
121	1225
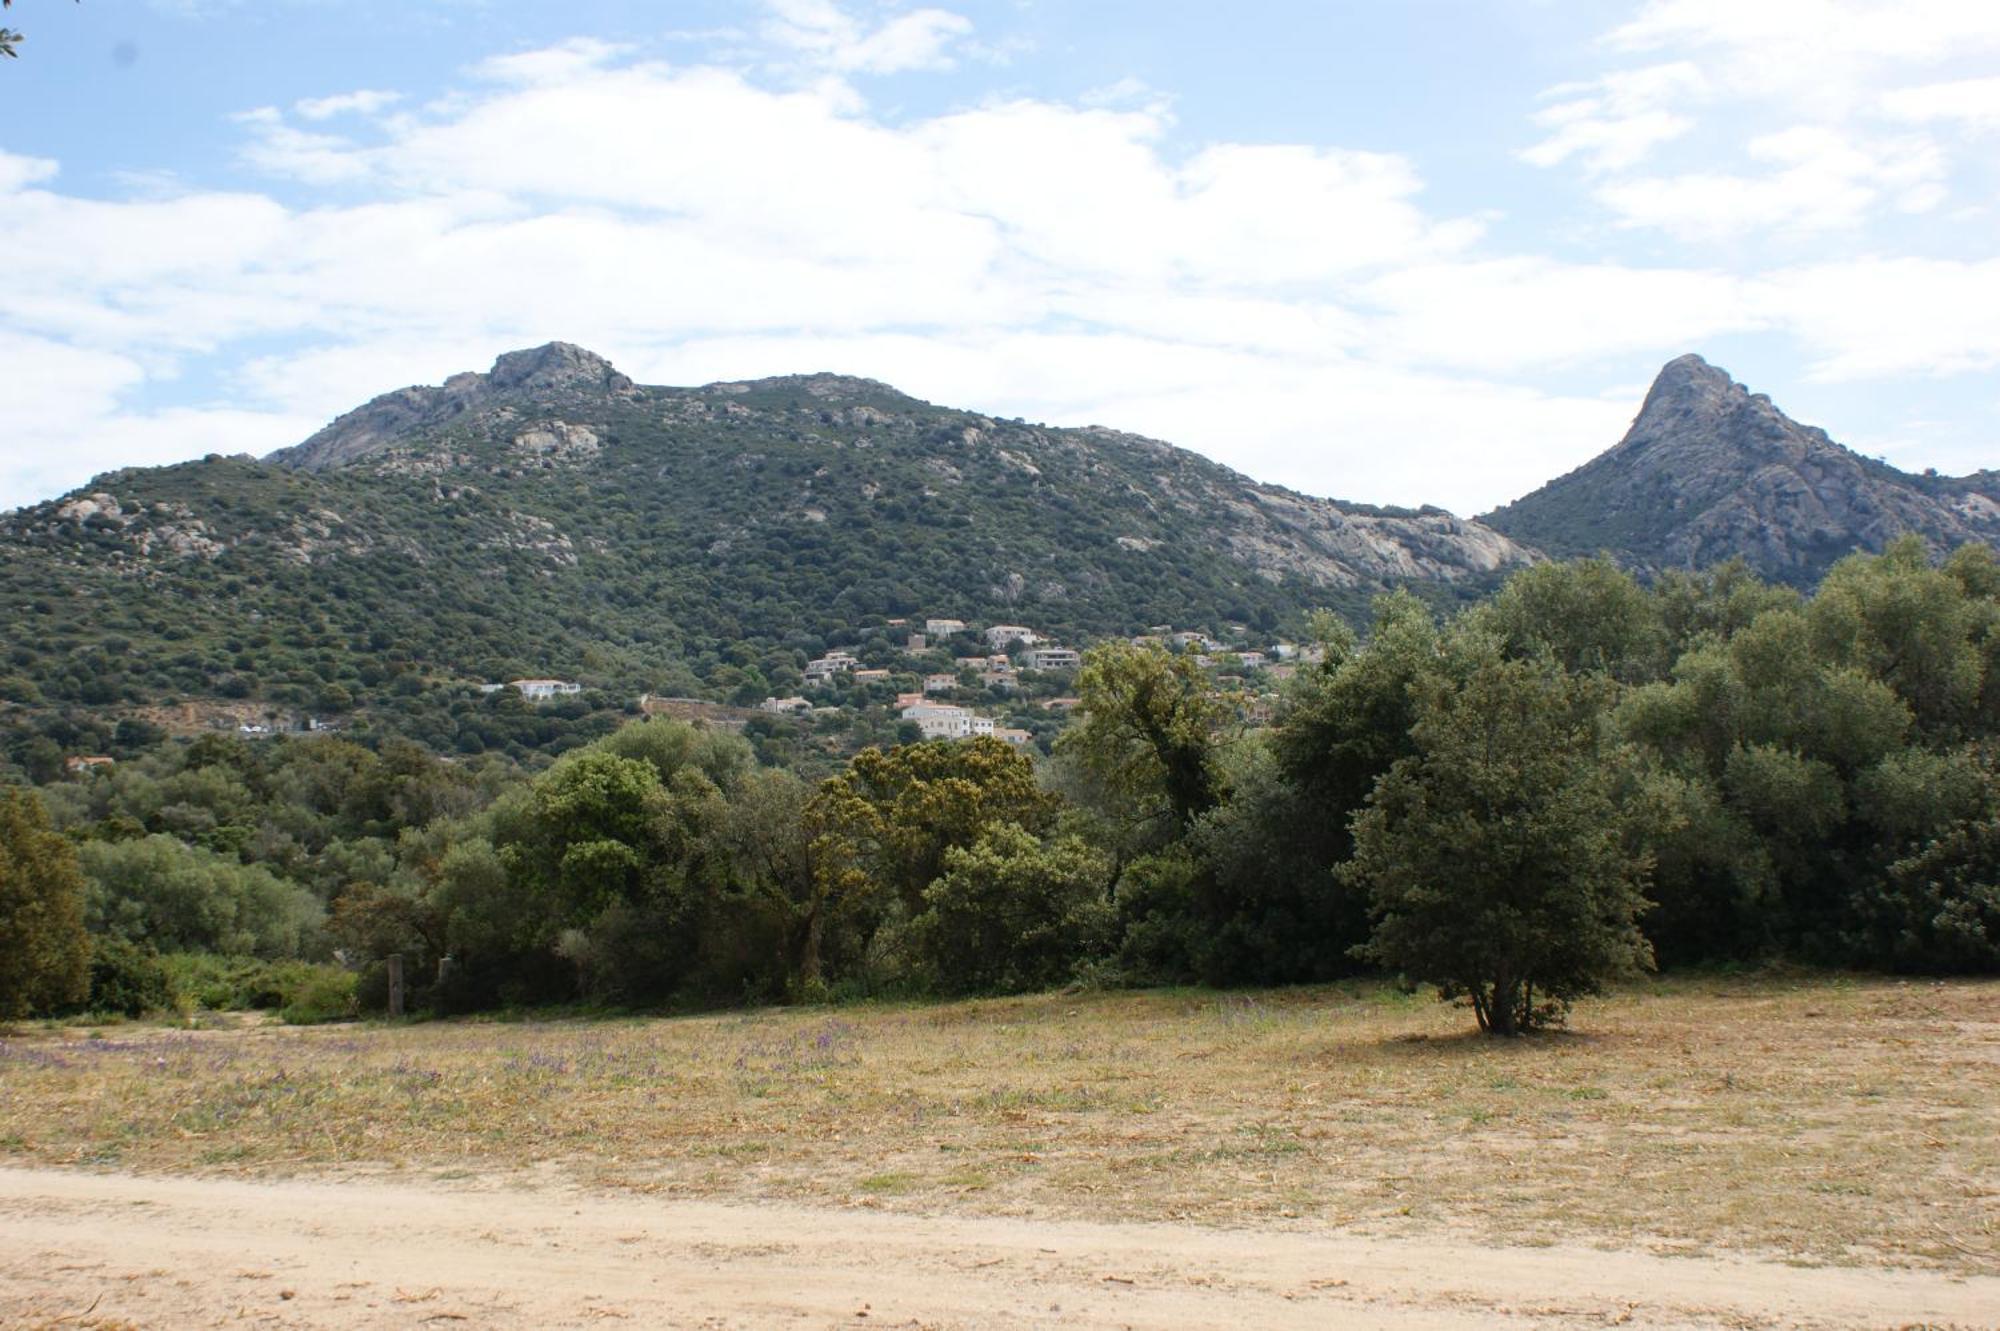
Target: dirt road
114	1250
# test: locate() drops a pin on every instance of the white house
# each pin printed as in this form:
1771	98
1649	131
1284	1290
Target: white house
1053	658
784	706
541	690
998	636
943	628
941	721
824	668
940	683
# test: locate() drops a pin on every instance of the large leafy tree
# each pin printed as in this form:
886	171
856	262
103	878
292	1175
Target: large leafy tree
905	808
1494	856
1588	615
1011	913
1150	733
44	952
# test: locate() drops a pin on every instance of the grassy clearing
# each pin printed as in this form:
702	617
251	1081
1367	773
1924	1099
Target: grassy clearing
1828	1119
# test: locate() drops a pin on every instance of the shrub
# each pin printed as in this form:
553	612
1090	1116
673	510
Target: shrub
127	979
1012	913
319	993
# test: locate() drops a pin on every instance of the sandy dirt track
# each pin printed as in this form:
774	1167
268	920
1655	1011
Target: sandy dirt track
114	1249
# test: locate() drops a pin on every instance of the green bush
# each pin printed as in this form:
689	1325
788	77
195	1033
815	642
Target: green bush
127	979
322	993
239	984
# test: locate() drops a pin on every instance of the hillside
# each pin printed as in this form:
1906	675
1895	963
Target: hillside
1711	471
551	517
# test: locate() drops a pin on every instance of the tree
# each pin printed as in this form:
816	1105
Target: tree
158	891
1011	913
906	807
1494	857
1586	614
1150	731
585	835
9	39
44	952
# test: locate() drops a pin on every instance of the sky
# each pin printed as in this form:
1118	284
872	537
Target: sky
1402	253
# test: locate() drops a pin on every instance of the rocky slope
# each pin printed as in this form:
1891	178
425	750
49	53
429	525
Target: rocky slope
552	405
1711	471
551	517
546	374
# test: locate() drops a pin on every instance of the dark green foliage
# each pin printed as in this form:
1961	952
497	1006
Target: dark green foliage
127	980
1150	731
1476	800
1266	905
1939	909
1494	857
1585	615
44	952
1011	912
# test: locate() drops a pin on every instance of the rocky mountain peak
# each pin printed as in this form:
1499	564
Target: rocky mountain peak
554	365
559	370
1688	384
1711	471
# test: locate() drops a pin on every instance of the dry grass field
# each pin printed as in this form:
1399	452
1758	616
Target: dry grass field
1820	1120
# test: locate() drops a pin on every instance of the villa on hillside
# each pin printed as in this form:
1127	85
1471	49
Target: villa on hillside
536	690
1053	658
943	721
822	669
998	636
943	628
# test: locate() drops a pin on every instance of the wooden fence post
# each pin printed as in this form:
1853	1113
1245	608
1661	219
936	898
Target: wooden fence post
396	985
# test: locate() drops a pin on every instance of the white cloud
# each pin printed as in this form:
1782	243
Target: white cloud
363	102
1295	310
1513	315
823	34
1801	32
64	422
1971	102
17	172
1816	95
1819	179
1616	121
561	63
1873	318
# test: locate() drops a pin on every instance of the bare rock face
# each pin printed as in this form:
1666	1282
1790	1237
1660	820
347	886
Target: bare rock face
1710	471
553	375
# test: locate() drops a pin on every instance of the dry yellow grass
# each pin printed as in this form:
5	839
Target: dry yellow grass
1825	1119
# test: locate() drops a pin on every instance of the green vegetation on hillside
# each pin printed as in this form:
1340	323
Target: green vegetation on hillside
702	543
1516	804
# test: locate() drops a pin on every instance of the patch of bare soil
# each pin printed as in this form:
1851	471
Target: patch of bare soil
82	1249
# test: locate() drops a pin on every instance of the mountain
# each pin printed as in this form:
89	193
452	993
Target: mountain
552	518
1710	471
